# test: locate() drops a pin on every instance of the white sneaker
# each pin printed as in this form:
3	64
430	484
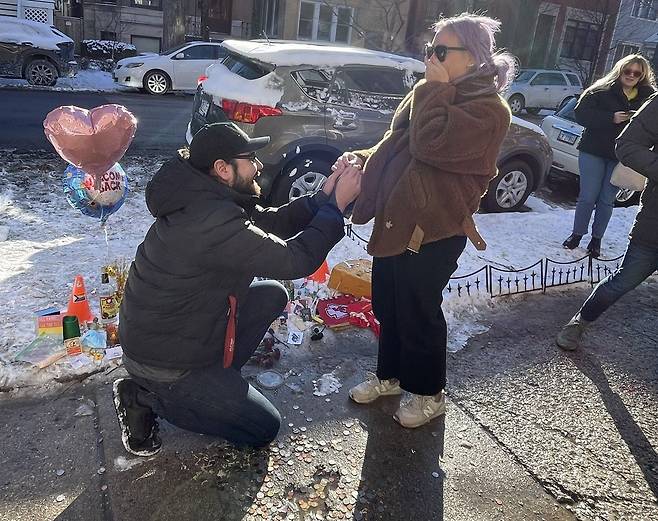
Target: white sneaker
419	410
373	388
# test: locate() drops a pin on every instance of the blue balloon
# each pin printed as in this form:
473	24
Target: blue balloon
95	199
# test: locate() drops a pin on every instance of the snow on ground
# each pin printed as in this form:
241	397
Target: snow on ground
49	243
84	80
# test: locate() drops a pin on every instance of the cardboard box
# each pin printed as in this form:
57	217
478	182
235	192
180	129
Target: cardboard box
352	277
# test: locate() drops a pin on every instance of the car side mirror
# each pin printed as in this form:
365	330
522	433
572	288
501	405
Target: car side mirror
180	56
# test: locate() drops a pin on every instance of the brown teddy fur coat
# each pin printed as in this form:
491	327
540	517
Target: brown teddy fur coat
424	180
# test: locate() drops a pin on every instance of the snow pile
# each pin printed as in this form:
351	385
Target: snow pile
49	243
514	241
85	80
106	48
224	84
42	36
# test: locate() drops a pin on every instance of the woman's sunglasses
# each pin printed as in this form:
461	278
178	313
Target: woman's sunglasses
441	51
632	73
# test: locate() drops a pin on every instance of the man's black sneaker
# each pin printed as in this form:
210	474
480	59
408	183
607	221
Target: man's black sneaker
572	242
594	247
139	428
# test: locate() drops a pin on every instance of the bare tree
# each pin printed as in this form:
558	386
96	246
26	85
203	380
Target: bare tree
599	14
116	26
392	16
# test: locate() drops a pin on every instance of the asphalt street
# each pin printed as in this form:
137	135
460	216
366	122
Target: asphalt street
162	121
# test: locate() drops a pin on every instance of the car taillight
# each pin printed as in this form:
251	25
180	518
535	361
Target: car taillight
201	79
246	112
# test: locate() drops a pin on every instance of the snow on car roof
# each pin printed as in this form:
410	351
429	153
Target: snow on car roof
40	35
301	53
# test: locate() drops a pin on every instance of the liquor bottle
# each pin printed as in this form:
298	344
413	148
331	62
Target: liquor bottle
108	301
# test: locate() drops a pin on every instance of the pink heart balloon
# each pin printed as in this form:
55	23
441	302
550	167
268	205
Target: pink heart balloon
93	140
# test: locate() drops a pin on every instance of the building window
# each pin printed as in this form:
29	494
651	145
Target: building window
581	41
149	4
325	22
624	49
268	13
645	9
108	35
145	43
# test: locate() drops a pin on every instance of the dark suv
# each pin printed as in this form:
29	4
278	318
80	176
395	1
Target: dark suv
318	100
34	51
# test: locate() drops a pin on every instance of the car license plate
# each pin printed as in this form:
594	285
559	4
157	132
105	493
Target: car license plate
203	107
567	137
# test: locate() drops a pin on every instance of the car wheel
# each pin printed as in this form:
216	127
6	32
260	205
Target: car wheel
303	176
510	189
516	104
41	72
533	111
626	198
157	83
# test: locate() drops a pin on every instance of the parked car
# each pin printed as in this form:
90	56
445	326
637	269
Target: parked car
564	134
318	100
536	89
175	69
34	51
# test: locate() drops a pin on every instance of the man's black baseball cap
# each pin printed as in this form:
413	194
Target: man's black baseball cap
221	141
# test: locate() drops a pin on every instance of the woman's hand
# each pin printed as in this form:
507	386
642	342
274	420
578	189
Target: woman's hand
347	159
435	71
621	117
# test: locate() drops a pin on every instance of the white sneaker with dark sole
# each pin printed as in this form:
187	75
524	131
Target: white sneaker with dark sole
373	388
419	410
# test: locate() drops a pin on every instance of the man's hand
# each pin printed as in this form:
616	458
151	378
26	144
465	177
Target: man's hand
348	187
330	183
435	71
347	159
621	117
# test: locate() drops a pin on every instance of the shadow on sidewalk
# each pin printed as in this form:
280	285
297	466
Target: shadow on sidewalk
397	479
638	444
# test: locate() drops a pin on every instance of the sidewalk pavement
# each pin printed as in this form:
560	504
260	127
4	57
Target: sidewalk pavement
530	433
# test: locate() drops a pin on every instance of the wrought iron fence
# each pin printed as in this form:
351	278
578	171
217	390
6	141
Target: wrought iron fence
512	282
564	273
540	276
600	268
476	282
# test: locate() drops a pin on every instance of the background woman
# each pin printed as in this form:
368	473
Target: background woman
422	183
605	109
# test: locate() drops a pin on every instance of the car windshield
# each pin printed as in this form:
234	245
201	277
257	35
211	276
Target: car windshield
567	111
524	77
174	49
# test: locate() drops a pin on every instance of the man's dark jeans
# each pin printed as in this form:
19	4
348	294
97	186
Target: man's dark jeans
639	263
218	401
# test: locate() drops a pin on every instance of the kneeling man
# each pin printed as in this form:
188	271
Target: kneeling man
192	316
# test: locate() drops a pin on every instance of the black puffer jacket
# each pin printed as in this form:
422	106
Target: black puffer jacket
595	111
634	150
209	242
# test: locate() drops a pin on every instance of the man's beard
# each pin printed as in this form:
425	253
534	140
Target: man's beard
244	186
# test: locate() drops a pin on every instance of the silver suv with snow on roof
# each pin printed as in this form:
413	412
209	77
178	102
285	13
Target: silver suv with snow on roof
318	100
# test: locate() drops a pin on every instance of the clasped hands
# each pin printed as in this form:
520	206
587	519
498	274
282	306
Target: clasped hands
345	181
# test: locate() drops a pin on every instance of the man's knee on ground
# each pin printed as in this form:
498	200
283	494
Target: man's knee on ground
269	430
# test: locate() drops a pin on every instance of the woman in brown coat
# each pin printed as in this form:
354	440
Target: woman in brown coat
422	183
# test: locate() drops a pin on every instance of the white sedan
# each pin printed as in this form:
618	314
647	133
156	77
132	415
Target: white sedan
176	69
564	134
